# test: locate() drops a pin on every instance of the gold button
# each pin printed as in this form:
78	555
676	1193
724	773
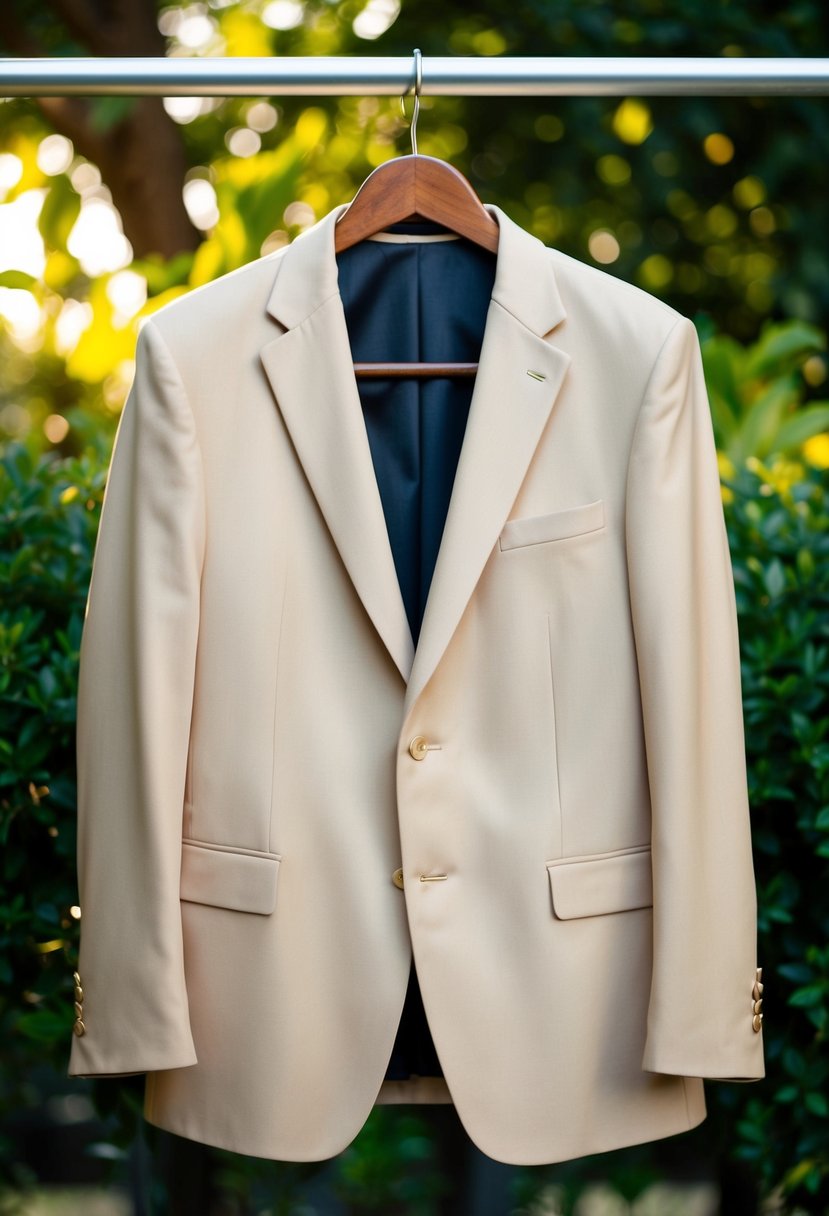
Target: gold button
758	1005
418	747
76	977
757	1021
756	991
78	993
397	879
79	1027
759	974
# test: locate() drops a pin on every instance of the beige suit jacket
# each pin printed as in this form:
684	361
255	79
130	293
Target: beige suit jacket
573	827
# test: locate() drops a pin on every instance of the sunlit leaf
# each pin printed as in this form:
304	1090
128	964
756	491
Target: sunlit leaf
17	279
245	34
811	420
59	211
101	346
61	268
780	344
208	262
761	422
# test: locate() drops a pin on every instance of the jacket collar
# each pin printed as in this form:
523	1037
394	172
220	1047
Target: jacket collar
310	368
308	275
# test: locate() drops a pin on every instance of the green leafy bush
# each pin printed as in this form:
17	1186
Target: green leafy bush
778	523
757	391
48	521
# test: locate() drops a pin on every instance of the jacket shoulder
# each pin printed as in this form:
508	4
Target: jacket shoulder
223	304
630	312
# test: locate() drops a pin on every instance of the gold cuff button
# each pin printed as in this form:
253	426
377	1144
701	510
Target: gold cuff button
79	1027
757	1021
76	977
78	992
397	879
758	1005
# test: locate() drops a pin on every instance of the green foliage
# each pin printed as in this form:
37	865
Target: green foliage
60	209
757	391
703	196
48	521
391	1167
779	536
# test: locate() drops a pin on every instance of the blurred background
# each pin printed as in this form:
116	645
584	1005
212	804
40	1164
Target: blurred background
111	207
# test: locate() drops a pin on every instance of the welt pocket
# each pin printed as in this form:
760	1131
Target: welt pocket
557	525
226	877
601	883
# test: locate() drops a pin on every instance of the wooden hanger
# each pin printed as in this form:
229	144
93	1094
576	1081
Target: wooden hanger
406	188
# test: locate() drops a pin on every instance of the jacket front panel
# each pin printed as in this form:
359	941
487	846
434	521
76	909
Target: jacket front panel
577	889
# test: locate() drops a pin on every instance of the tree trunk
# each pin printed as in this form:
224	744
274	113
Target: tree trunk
141	155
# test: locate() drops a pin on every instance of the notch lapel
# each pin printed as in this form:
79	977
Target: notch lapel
507	414
311	371
310	368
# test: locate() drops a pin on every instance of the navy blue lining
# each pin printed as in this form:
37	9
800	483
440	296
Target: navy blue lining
411	302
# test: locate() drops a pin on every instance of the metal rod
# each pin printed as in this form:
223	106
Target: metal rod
445	76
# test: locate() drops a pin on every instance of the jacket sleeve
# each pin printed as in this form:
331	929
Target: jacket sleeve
702	1014
135	690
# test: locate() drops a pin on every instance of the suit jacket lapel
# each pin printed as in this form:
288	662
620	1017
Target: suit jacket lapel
506	417
311	371
310	368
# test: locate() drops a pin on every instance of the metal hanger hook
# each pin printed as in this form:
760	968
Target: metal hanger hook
418	66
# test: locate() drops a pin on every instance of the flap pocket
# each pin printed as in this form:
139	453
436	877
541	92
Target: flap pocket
212	874
609	882
535	529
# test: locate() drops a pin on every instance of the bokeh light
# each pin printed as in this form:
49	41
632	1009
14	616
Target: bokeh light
200	202
718	148
54	154
632	121
376	18
283	14
11	170
21	247
603	246
97	240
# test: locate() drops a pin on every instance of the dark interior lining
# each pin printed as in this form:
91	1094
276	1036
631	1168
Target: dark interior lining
407	302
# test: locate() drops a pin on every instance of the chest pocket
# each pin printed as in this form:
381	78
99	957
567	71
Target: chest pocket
558	525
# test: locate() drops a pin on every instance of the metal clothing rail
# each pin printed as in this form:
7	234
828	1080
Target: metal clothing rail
445	76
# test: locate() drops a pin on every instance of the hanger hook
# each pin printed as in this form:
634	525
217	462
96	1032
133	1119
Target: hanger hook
418	66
